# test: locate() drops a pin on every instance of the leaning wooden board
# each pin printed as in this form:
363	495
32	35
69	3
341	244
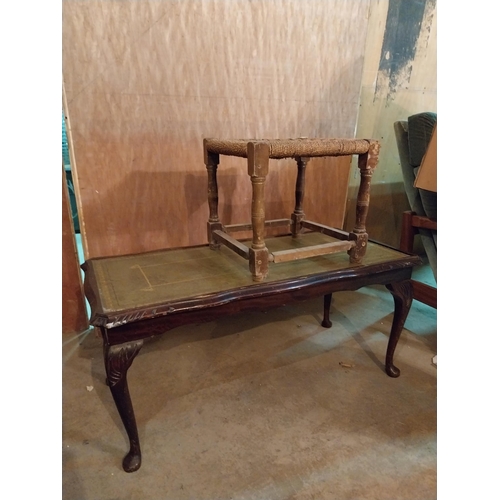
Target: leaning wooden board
139	296
146	80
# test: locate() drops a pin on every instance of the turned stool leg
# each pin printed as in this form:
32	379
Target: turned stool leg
214	223
298	213
366	164
117	360
403	297
258	167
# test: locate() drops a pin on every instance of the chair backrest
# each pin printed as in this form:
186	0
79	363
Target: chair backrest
420	128
401	131
412	138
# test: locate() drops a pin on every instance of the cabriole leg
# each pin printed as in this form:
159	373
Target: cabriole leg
117	360
403	297
327	302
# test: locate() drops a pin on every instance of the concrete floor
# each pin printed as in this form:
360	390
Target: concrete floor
257	406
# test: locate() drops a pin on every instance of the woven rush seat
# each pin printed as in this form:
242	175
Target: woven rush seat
291	148
258	152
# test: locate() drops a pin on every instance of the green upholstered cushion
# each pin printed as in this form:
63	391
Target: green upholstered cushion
420	127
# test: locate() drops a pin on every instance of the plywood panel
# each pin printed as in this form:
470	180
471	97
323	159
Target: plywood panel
399	79
147	81
74	313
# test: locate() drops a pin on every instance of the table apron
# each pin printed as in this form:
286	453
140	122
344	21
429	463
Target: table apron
150	327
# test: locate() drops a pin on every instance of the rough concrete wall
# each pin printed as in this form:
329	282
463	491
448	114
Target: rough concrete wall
399	79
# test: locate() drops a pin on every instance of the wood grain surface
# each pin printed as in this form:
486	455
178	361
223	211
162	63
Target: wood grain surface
74	313
146	81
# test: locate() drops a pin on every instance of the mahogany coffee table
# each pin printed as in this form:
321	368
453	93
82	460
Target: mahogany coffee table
136	297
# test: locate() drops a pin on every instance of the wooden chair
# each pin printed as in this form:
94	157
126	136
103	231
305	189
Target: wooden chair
412	137
409	229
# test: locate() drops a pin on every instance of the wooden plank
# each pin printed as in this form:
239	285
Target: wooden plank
234	228
407	232
409	224
138	115
74	171
74	312
231	243
329	231
425	293
423	222
312	251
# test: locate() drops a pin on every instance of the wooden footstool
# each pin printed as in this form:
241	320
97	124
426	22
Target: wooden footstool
258	153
